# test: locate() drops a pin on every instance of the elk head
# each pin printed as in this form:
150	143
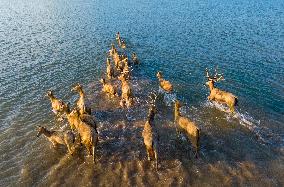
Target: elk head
77	87
49	93
159	75
40	130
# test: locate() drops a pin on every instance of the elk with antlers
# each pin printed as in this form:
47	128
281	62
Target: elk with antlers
189	127
150	134
220	95
81	103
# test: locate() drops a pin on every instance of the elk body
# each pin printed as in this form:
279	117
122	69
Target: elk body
108	89
81	103
219	95
88	134
56	104
165	85
189	127
126	95
56	138
73	122
120	41
109	70
150	136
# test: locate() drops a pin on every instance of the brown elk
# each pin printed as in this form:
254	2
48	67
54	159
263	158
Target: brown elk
122	44
125	70
56	138
109	71
150	134
220	95
112	50
81	102
126	95
56	103
165	85
117	36
108	89
186	125
87	133
90	120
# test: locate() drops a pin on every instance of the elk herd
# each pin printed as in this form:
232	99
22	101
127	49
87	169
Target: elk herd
83	125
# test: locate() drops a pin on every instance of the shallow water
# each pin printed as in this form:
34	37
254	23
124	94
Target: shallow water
55	44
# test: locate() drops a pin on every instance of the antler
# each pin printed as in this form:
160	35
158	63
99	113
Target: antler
153	98
207	73
221	77
218	76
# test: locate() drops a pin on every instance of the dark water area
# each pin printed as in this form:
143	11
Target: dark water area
55	44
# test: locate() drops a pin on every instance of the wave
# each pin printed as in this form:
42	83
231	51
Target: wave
262	133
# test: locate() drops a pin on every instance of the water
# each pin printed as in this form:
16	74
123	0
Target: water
55	44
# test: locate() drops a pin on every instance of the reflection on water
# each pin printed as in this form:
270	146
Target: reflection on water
55	44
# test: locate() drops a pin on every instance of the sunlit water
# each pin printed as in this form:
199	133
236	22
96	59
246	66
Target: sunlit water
47	44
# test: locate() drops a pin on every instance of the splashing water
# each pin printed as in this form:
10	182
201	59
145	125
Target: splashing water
264	134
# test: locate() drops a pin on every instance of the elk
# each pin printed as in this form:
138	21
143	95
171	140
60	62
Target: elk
150	134
81	104
110	71
135	58
189	127
117	36
120	41
56	104
108	88
125	70
116	59
126	95
57	138
87	133
84	117
121	62
219	95
112	50
122	44
165	85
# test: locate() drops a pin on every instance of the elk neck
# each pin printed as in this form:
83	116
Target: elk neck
211	85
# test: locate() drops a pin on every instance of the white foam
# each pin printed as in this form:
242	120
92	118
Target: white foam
265	135
169	98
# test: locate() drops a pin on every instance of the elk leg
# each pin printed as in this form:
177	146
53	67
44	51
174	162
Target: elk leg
89	148
156	157
94	155
148	154
196	154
